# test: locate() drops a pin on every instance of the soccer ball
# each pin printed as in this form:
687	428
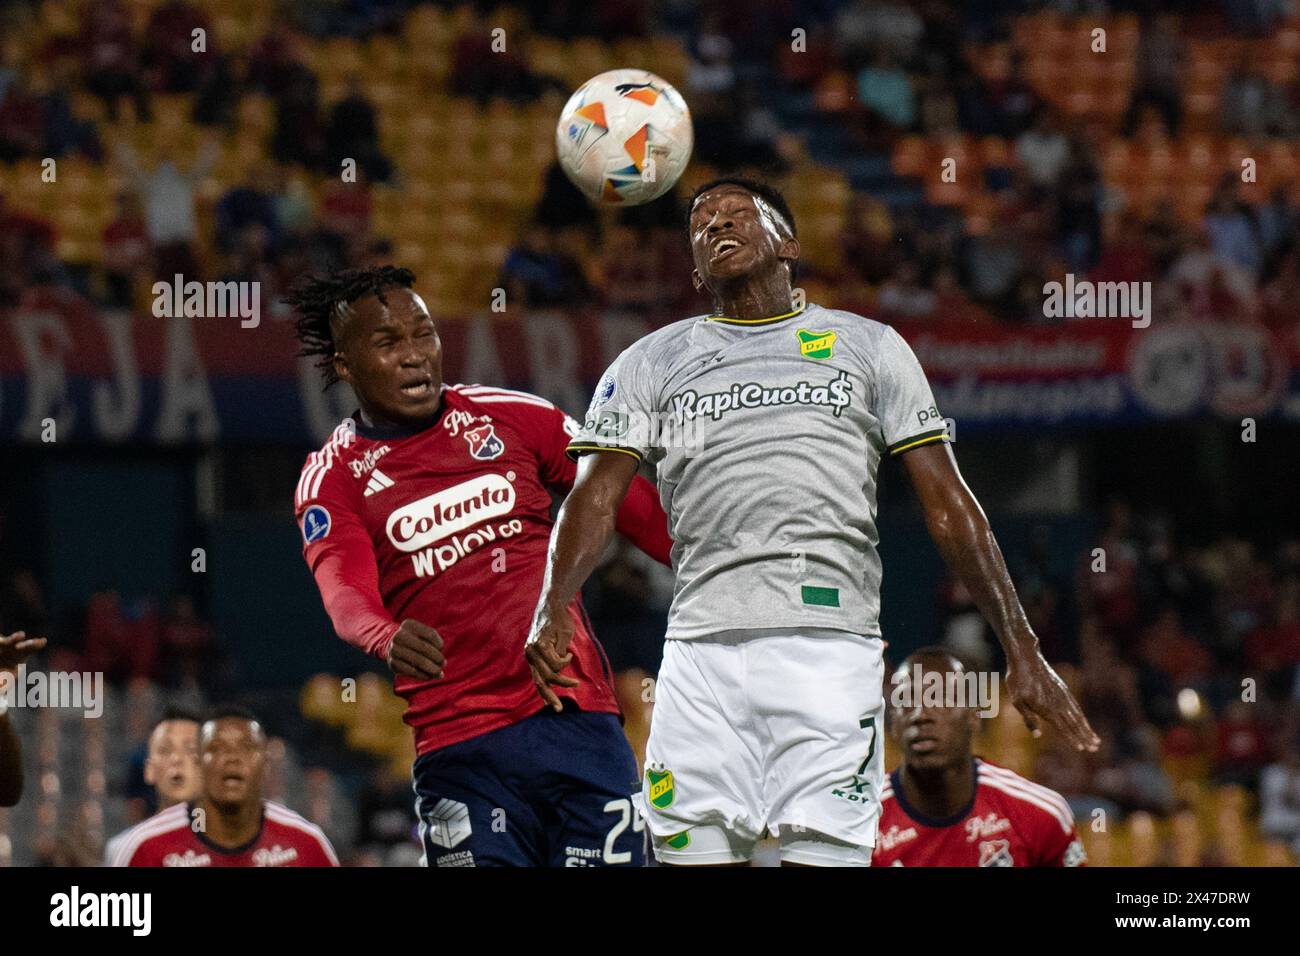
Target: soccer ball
624	137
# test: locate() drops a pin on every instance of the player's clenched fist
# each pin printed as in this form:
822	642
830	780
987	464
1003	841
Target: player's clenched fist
547	651
416	651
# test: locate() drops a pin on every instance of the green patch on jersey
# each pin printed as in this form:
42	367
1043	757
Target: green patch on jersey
680	841
815	345
661	788
822	597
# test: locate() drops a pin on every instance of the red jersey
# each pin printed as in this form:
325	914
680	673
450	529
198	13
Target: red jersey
1010	821
450	525
169	839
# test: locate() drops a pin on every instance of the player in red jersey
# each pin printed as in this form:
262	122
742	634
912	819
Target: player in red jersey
229	824
172	766
425	521
944	806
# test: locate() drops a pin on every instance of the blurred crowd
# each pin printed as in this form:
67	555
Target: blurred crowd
1185	657
877	71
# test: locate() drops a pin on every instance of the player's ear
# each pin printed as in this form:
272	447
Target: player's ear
341	369
788	250
697	280
150	777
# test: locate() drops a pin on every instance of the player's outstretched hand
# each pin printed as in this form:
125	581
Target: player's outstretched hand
416	651
547	652
17	647
1039	694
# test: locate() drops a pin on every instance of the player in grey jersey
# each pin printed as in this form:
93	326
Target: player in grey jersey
766	423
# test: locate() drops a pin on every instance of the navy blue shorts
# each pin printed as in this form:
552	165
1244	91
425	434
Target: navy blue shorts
551	790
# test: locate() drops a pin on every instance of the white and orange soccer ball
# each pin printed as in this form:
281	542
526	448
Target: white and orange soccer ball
625	137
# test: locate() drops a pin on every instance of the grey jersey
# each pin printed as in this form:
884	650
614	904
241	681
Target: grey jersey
766	436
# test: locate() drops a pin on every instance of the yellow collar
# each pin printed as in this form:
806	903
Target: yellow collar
774	318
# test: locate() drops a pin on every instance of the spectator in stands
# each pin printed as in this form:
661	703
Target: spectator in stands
1230	225
22	123
1043	149
353	133
1159	75
536	274
1244	744
346	211
187	646
1108	685
1252	106
885	89
110	59
299	132
483	71
1203	279
1279	798
1166	646
1124	252
169	196
868	27
1011	95
121	639
65	133
1078	208
22	604
906	296
175	55
252	204
128	253
26	253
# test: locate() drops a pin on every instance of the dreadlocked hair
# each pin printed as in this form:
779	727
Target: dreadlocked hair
316	299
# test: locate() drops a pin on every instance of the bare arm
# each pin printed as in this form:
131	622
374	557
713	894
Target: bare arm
11	764
585	524
14	650
964	539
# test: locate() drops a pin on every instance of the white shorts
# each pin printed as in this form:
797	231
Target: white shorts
759	731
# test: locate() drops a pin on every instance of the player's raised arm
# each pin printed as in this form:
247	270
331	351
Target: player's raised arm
961	531
583	528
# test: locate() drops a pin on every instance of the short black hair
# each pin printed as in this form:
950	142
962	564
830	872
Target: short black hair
765	191
176	712
316	298
231	712
936	650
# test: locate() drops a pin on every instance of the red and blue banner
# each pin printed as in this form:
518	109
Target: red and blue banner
108	377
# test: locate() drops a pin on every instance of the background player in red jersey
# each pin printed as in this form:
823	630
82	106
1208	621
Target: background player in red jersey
945	807
229	824
171	767
425	522
14	650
